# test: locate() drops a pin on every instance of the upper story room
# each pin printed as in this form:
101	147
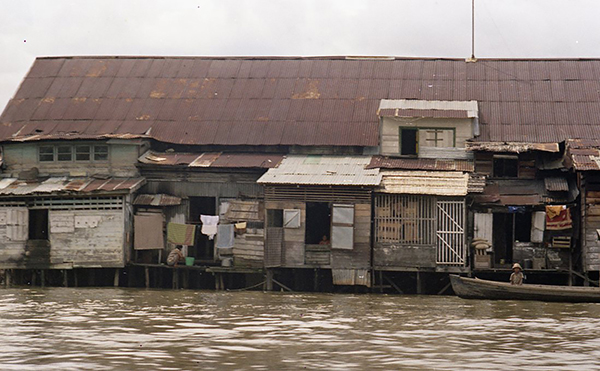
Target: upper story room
427	129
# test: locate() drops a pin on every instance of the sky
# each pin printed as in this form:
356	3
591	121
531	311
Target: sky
403	28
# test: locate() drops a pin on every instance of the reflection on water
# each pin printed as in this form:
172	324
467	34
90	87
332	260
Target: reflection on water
129	329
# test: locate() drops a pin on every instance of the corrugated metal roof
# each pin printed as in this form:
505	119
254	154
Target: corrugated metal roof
512	147
442	183
583	154
294	100
66	185
156	200
323	170
384	162
556	184
212	159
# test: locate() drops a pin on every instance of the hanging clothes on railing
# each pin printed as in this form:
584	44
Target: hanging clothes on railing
558	218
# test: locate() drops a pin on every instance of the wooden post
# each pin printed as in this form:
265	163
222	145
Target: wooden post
316	281
186	279
175	278
116	277
33	278
43	278
419	283
65	278
7	277
269	280
147	276
75	279
381	282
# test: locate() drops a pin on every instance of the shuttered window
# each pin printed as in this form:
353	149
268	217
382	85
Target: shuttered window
342	227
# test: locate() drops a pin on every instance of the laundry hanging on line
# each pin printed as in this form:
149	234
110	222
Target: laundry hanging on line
181	234
209	225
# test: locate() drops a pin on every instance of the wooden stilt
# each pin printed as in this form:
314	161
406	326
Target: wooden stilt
43	278
76	278
419	283
33	278
7	277
175	278
316	280
269	280
147	276
381	282
186	279
116	277
65	278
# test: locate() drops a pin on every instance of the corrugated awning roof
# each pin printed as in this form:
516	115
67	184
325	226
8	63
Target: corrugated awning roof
441	183
385	162
323	170
556	184
294	100
156	200
67	185
212	159
583	155
508	192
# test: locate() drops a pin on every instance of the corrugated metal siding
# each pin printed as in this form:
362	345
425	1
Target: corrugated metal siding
323	170
216	100
443	183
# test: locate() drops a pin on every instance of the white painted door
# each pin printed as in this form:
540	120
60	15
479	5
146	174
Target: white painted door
17	224
483	226
450	232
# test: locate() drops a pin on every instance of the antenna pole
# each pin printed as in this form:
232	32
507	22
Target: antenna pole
472	29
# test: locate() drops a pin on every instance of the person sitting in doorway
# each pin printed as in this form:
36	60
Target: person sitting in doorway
516	278
175	256
324	240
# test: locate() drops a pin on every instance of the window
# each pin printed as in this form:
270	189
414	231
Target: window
405	219
506	166
291	218
275	218
82	153
64	153
100	153
46	153
408	141
411	139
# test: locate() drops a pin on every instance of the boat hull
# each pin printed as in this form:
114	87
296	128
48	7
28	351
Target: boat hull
473	288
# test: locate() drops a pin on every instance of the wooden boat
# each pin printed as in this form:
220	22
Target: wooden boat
474	288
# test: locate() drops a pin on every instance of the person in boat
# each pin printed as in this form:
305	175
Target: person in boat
516	278
175	256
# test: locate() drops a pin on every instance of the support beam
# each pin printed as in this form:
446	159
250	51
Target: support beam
116	277
7	278
269	280
147	277
65	278
391	283
419	284
42	278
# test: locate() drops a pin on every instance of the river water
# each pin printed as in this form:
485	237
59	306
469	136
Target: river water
137	329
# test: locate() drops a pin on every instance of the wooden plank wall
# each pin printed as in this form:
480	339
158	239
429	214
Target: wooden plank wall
484	164
591	216
360	255
293	238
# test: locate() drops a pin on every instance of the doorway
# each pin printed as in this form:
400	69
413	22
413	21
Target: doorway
318	222
38	224
203	248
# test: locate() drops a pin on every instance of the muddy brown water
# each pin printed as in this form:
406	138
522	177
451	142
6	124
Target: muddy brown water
137	329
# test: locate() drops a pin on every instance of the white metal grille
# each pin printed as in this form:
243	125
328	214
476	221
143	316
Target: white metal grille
405	219
450	233
87	203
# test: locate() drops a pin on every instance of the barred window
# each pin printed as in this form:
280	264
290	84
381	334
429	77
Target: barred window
405	219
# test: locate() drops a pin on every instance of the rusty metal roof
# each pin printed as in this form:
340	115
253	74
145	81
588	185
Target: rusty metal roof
556	184
508	192
212	159
156	200
323	170
293	100
67	185
384	162
583	154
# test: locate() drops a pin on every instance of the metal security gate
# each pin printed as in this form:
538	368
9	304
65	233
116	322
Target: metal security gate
450	232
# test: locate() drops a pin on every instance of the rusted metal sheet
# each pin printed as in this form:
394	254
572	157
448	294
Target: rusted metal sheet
384	162
556	184
583	154
323	170
530	101
388	112
156	200
515	147
212	159
442	183
65	185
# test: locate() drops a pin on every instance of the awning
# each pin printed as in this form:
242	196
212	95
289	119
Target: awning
68	185
441	183
323	170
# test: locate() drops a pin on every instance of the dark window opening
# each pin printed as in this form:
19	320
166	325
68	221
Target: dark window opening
203	247
506	167
275	218
523	227
318	222
408	141
64	153
100	153
503	237
82	153
38	224
46	153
